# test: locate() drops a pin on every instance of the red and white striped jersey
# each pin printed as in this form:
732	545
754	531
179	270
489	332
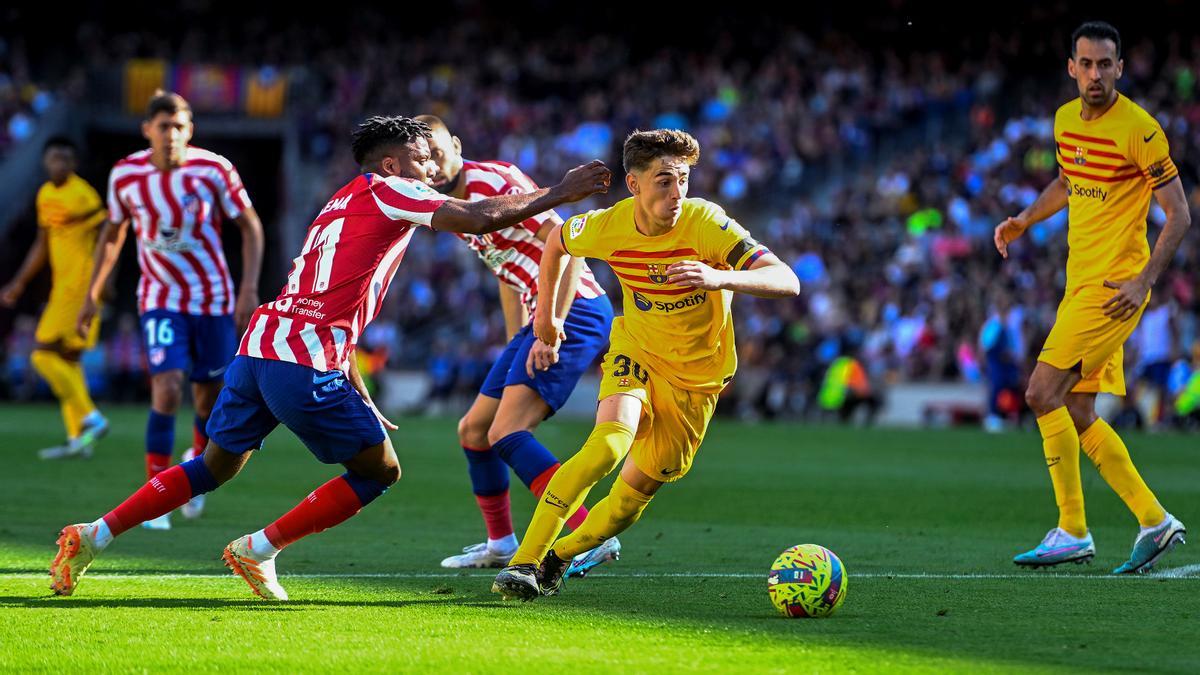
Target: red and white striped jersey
514	253
177	221
337	284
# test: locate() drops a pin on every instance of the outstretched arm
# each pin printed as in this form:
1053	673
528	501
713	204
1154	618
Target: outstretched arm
497	213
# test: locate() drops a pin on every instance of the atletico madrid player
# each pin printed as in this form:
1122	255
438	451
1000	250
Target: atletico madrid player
176	195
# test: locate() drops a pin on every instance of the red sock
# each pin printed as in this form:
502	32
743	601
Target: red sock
538	486
496	514
323	508
165	492
199	441
156	464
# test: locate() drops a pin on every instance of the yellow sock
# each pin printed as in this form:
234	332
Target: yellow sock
1060	442
601	453
1111	458
78	403
59	375
611	516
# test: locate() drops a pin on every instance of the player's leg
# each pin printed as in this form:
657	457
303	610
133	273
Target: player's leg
369	474
59	366
79	544
617	420
56	358
92	425
1158	531
529	399
338	427
664	454
241	420
489	483
1070	540
631	492
49	364
166	395
212	344
204	397
166	336
488	472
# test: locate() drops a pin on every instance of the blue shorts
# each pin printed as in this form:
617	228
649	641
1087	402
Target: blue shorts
587	328
322	409
174	341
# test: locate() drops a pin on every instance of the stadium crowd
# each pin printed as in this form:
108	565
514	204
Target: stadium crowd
879	172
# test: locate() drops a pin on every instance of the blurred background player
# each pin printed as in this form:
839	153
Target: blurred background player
175	195
679	261
1112	156
497	431
69	213
296	363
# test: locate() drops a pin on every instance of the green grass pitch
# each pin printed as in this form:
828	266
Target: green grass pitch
925	521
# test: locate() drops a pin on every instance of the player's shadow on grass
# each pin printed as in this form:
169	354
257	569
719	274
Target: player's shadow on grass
56	603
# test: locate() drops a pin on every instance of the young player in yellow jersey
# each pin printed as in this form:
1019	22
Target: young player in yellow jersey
679	261
69	214
1112	156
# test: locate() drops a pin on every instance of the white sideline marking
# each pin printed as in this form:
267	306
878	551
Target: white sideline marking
1185	572
1178	572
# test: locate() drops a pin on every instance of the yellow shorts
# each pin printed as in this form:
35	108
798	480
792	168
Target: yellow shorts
57	325
673	420
1086	341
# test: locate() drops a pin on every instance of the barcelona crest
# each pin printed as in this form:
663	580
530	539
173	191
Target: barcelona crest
1080	155
658	273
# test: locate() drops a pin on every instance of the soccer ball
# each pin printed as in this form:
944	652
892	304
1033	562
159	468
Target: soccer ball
807	580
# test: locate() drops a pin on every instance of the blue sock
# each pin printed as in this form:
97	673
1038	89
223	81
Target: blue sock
366	489
489	473
160	434
526	455
200	478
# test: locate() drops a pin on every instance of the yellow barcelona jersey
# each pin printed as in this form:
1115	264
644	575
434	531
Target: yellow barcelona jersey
70	213
1112	165
684	334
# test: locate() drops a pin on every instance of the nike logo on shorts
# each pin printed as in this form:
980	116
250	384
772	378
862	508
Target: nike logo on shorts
327	377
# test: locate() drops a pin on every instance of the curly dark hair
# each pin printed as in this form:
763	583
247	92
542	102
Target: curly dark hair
377	131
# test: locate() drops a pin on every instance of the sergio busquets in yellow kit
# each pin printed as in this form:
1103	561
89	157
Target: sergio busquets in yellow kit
679	261
1112	157
69	214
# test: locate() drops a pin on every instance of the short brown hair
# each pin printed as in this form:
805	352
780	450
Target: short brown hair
643	147
168	102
